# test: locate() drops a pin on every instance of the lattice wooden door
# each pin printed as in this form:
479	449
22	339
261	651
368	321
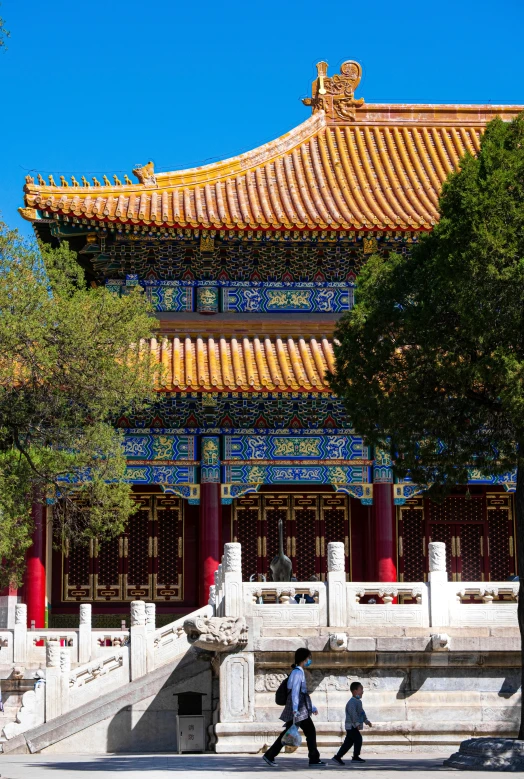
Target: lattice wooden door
501	544
446	533
411	541
275	507
246	530
334	512
306	538
145	562
469	545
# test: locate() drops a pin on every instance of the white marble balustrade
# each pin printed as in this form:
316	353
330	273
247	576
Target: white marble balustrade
337	603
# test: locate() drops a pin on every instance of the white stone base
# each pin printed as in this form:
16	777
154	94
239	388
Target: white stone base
384	737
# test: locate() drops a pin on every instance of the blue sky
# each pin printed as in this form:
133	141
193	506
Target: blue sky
93	88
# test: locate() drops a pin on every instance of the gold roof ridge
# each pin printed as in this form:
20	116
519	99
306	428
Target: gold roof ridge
350	166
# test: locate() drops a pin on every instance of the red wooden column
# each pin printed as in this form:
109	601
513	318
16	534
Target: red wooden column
35	580
384	519
210	524
385	533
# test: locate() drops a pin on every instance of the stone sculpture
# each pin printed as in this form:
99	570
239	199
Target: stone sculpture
216	634
281	566
338	642
440	642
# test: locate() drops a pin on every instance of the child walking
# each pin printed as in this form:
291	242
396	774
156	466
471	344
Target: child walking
355	719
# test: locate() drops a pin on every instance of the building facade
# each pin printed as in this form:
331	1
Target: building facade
249	262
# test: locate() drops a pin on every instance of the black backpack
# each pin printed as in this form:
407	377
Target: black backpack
281	693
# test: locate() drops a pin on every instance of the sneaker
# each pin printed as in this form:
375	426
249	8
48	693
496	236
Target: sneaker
338	760
358	760
319	764
269	761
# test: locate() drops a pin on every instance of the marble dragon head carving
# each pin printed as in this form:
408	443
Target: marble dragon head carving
216	634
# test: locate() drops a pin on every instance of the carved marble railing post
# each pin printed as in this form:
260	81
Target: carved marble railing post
150	636
220	589
84	634
438	585
336	582
65	672
20	633
232	573
53	682
213	595
138	647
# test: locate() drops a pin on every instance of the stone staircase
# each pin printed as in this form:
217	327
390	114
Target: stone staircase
123	697
136	718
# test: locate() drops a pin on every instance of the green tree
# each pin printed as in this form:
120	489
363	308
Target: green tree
430	362
70	360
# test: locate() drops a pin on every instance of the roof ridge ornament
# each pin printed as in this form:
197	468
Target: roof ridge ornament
335	95
146	174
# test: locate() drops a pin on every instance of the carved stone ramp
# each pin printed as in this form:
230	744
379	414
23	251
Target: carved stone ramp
103	711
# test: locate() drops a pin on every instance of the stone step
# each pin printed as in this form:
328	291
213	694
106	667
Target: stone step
181	671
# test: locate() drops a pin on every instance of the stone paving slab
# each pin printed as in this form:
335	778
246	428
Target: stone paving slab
209	765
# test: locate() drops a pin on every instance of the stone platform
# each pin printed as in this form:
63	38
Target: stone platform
439	662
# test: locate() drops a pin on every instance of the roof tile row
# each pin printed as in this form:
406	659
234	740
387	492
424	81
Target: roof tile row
243	364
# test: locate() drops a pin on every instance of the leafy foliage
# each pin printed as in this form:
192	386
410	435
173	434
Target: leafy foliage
430	362
70	360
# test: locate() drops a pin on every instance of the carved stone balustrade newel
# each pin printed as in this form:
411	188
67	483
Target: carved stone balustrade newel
20	633
232	574
212	595
65	672
437	557
150	635
336	584
84	634
138	639
53	686
438	585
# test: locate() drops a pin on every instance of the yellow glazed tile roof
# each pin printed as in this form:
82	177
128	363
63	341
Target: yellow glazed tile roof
382	170
243	364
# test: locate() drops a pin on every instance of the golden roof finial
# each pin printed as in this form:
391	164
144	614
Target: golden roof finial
335	95
63	182
106	181
51	181
96	182
74	182
117	181
85	182
41	180
146	174
127	179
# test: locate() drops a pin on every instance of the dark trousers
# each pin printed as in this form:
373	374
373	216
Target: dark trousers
311	740
353	736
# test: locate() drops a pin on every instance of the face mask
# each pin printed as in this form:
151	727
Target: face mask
308	662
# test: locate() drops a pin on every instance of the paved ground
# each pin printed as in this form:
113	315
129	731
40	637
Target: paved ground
207	766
